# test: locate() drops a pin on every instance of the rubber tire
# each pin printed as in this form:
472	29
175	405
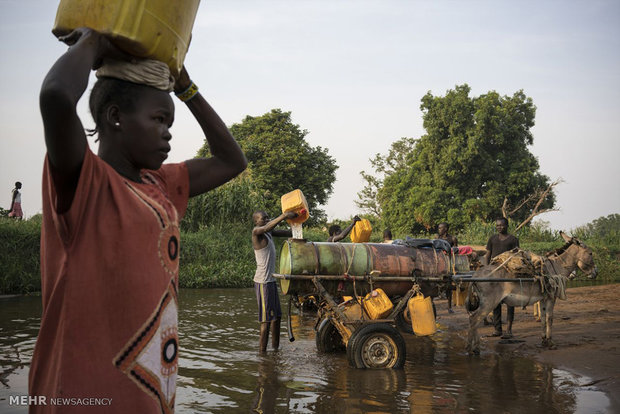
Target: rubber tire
377	336
403	322
328	339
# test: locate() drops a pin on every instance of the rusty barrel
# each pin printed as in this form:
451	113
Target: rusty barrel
298	257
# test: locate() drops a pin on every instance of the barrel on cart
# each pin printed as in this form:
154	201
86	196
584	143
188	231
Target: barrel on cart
362	291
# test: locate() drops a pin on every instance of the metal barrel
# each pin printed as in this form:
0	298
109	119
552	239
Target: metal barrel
298	257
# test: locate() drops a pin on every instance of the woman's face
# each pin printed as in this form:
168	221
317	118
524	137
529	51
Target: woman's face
146	135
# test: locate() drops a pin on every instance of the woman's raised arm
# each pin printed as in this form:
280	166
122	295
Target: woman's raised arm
227	160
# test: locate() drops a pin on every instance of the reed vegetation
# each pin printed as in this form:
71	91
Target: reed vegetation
221	254
20	268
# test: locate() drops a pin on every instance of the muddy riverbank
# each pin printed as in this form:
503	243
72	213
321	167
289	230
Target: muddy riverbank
586	330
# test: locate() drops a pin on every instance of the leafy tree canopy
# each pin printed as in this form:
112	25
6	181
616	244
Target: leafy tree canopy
606	229
280	160
473	155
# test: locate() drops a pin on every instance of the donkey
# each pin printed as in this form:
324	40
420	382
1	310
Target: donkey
483	297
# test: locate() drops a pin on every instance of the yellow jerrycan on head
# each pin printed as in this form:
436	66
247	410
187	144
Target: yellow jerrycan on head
155	29
422	316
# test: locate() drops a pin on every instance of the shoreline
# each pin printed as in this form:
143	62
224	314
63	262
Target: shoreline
586	331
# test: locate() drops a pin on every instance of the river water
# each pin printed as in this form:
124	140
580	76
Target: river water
221	371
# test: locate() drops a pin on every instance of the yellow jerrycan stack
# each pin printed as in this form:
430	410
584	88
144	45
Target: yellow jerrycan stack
361	231
422	316
295	201
376	304
155	29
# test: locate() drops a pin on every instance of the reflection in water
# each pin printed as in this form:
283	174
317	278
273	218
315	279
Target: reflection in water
220	369
267	385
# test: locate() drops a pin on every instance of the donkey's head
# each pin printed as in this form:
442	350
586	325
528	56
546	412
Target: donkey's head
581	254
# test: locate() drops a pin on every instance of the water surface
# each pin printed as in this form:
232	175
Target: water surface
220	370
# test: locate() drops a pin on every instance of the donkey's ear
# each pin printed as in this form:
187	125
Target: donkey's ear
566	237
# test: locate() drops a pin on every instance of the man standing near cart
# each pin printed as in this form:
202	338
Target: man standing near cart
442	233
498	244
269	311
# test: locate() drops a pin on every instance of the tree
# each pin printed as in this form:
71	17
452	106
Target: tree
473	156
368	198
603	229
280	160
532	203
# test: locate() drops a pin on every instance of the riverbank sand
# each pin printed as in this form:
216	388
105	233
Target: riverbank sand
586	330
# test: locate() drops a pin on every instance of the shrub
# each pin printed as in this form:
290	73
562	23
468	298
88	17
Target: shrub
20	255
221	255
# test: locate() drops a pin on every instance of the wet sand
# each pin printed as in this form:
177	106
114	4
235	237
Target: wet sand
586	330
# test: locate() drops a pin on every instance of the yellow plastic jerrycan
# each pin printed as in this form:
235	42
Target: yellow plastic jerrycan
351	308
295	201
377	304
459	295
422	316
361	231
156	29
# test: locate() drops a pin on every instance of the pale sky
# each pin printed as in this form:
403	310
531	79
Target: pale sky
353	72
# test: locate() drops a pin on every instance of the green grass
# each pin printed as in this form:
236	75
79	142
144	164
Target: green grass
222	255
217	257
20	268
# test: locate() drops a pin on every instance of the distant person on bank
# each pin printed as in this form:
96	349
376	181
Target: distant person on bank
15	211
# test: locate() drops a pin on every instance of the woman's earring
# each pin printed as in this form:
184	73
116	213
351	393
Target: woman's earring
117	124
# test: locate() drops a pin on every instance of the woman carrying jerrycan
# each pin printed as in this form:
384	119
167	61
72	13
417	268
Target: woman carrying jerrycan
110	236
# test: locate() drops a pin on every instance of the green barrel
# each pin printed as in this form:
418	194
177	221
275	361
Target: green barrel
298	257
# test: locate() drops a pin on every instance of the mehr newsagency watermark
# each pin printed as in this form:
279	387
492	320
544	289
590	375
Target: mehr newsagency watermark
58	401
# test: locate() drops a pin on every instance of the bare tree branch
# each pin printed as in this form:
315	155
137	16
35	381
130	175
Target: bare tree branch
541	198
524	202
531	216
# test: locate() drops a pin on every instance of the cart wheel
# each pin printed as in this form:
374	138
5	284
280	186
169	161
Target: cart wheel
376	346
403	321
328	339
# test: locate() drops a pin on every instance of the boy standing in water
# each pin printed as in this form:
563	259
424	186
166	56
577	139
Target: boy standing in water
269	311
15	211
110	231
